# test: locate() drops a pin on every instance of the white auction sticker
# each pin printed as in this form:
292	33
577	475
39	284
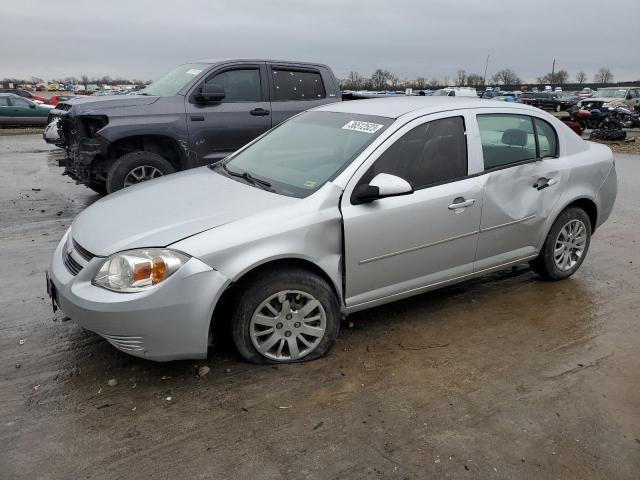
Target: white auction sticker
193	71
365	127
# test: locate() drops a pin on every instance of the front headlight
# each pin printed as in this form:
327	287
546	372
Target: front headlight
605	104
136	270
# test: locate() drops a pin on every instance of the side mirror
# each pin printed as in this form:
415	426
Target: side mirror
211	92
383	185
32	105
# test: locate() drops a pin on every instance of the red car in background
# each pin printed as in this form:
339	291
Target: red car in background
55	99
24	94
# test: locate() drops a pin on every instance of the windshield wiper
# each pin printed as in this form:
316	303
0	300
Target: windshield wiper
249	178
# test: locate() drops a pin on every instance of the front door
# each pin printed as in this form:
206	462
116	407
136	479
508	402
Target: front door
524	180
217	129
399	245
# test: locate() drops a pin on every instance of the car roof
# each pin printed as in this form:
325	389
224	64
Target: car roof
8	95
416	105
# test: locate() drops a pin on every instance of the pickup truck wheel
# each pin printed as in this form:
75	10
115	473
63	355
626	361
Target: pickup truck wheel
565	247
285	316
136	167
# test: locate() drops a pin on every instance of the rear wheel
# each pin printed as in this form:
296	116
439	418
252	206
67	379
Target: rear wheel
565	247
136	167
286	316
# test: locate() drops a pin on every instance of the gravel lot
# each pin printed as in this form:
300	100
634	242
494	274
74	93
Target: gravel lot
505	377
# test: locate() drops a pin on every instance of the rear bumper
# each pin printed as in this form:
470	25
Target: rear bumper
167	322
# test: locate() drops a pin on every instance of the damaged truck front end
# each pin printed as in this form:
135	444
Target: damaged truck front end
81	139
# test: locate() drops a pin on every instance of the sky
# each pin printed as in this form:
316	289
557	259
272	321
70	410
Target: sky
431	39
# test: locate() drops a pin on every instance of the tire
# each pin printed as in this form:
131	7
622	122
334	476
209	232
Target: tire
553	267
136	167
282	289
98	187
558	108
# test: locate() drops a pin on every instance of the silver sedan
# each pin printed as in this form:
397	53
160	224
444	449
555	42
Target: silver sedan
339	209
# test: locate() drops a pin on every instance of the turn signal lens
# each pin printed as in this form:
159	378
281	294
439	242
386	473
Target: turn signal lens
136	270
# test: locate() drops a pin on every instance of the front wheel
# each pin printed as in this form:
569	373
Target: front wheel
285	316
565	247
136	167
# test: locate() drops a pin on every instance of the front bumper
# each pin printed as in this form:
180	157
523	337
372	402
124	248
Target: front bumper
167	322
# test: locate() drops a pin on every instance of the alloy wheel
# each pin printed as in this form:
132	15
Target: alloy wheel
569	245
288	325
141	174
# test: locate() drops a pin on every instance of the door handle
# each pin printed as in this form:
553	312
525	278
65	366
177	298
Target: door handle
259	112
460	202
197	118
543	183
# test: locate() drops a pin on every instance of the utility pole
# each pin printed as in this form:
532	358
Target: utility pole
553	71
486	64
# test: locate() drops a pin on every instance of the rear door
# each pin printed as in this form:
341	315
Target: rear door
217	129
524	179
6	111
296	88
397	245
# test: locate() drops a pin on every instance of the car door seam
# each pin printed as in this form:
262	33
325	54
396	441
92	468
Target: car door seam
419	247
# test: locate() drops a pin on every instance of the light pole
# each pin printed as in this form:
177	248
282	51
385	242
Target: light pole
553	72
486	65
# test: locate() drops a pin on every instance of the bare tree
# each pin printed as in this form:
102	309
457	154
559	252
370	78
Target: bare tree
474	80
506	77
603	75
446	80
380	79
462	78
581	77
420	83
355	80
434	82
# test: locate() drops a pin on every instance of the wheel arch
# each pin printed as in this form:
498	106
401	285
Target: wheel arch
222	309
163	145
588	205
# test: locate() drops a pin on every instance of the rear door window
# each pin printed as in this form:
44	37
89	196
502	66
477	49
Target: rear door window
4	102
296	85
506	139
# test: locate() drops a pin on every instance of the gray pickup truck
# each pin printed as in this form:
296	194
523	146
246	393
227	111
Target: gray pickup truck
196	114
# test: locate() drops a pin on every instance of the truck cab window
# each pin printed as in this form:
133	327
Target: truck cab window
239	85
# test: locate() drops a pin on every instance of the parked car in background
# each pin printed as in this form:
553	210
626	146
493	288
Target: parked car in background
196	114
55	99
628	97
24	94
317	219
16	110
456	92
548	100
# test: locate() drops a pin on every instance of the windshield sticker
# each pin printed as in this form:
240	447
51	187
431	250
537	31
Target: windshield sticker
309	184
193	71
365	127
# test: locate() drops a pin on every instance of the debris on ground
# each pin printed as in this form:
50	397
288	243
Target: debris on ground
113	382
203	371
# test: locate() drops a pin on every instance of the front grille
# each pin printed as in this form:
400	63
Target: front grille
72	265
126	343
75	257
87	255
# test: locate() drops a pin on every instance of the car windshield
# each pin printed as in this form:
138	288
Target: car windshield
175	80
611	93
442	93
302	154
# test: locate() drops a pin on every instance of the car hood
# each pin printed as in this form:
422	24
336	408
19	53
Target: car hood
163	211
90	105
